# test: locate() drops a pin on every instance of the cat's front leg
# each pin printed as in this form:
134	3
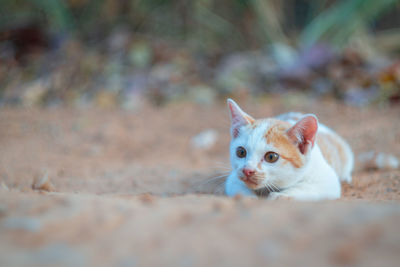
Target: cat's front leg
303	193
235	186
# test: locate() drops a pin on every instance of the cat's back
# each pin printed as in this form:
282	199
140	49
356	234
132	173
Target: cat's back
334	148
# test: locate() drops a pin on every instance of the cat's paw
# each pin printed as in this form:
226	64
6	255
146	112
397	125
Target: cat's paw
279	196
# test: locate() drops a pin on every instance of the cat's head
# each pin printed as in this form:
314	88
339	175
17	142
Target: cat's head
270	152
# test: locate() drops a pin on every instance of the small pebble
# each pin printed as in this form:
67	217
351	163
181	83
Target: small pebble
147	198
4	187
43	184
375	160
205	140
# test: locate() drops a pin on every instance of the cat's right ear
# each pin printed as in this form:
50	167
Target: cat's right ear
303	133
238	117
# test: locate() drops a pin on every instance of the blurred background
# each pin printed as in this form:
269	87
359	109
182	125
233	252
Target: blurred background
114	132
119	53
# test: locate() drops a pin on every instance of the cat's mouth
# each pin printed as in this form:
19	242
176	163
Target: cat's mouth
251	182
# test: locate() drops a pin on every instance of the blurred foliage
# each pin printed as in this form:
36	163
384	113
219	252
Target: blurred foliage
119	52
336	24
209	24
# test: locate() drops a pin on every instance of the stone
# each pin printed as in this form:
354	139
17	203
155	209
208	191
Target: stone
205	139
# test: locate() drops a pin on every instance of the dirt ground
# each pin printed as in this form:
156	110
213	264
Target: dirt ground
129	189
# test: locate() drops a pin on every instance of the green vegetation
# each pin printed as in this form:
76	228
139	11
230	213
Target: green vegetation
206	24
118	52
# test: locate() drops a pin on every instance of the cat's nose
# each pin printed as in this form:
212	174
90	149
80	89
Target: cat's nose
248	172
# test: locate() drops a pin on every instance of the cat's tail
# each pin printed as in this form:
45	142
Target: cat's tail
378	161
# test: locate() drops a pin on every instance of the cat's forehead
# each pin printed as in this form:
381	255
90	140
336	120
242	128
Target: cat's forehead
265	128
259	132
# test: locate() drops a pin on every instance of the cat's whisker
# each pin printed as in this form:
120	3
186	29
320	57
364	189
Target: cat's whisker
219	189
267	186
220	180
271	189
201	183
212	179
219	176
264	193
223	169
276	189
223	165
221	173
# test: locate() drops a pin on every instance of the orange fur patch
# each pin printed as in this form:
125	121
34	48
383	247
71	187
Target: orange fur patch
332	149
255	124
276	135
249	119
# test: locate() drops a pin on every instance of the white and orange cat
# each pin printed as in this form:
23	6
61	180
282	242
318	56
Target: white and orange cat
291	156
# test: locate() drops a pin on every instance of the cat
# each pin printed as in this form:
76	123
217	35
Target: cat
290	156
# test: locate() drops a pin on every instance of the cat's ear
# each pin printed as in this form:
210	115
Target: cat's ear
303	133
238	117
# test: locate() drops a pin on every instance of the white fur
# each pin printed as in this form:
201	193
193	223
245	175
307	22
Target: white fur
345	175
315	180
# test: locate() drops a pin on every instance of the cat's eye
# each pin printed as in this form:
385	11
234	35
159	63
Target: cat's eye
271	157
241	152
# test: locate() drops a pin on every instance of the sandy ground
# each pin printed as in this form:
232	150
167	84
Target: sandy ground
129	189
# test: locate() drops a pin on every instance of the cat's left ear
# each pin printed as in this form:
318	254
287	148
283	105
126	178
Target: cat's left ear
303	133
238	117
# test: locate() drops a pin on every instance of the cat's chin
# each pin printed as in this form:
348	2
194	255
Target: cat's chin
253	185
